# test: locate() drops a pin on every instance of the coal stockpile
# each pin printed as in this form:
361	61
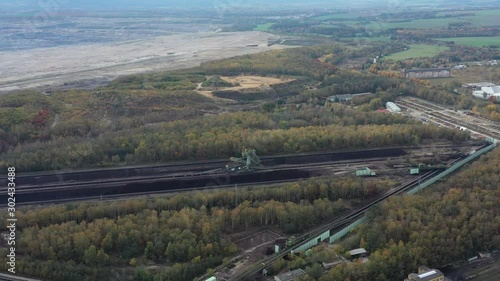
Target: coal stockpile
96	190
196	166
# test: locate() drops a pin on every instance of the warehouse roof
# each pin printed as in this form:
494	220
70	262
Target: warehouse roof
357	251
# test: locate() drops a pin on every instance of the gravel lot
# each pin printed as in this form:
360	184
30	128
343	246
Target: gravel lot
88	66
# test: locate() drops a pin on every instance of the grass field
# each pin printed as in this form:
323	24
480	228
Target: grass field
480	18
474	41
418	51
263	27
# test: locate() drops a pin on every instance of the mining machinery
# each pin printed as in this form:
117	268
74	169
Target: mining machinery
249	161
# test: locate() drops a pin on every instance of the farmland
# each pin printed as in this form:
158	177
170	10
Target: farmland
366	24
476	19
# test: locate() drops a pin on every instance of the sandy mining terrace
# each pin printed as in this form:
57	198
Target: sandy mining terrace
93	65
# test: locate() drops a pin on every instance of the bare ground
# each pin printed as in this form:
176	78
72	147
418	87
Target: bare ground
246	82
93	65
251	82
253	247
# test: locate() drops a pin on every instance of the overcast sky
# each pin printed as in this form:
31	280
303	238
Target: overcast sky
127	4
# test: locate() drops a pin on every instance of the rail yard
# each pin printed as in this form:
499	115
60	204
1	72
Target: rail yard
338	224
463	120
204	175
251	170
333	226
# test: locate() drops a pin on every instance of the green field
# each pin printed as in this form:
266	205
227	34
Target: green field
418	51
263	27
480	18
474	41
416	24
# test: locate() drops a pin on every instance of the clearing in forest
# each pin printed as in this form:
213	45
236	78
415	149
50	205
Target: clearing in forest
252	82
244	82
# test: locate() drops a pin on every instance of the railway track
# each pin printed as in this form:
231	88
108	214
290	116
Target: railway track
452	117
61	192
193	176
38	179
333	225
449	119
116	188
187	173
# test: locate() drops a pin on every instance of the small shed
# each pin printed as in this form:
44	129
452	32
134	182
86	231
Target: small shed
358	253
333	262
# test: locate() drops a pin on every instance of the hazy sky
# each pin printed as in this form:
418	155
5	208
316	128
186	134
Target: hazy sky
127	4
36	4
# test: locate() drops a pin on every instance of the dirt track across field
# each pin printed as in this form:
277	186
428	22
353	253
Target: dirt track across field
92	65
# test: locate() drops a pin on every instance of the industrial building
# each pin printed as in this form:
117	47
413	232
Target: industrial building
487	92
340	98
392	107
346	97
290	276
427	274
426	73
477	86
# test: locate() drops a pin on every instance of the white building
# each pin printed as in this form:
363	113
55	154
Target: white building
487	92
392	107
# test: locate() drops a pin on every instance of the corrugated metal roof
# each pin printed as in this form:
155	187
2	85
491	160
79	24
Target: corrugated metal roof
357	251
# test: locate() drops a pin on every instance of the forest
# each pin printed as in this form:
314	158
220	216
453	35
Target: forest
225	135
124	122
160	117
91	241
185	233
449	222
